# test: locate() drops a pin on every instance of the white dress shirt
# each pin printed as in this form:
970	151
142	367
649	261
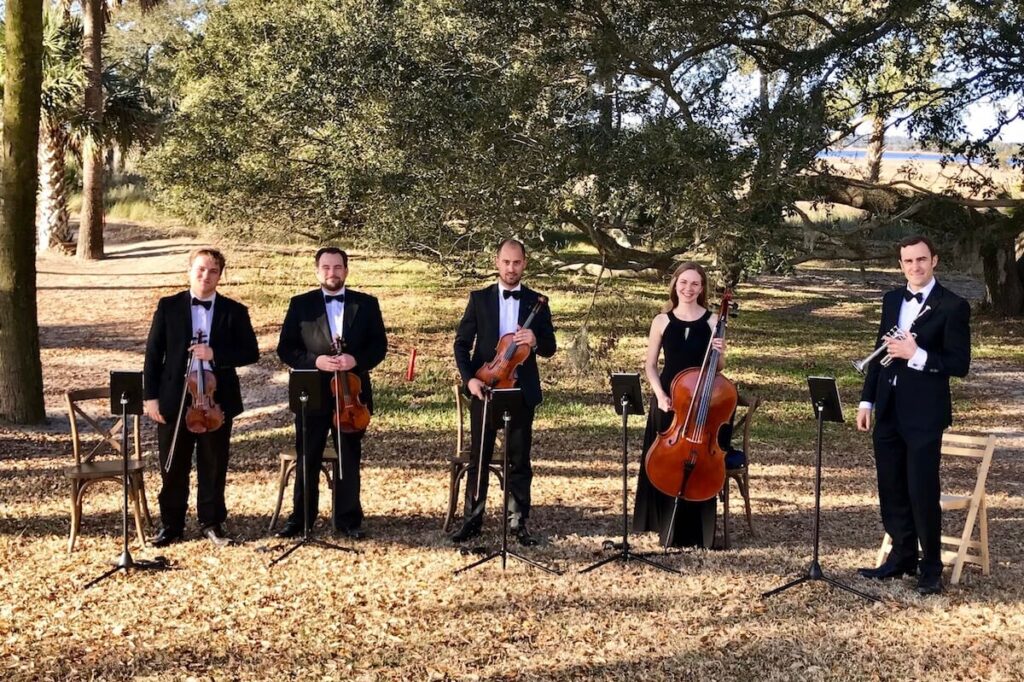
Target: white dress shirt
508	311
335	313
201	321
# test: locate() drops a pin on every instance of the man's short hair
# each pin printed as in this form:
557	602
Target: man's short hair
333	250
916	239
207	251
512	240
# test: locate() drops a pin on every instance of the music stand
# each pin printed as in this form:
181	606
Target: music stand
506	403
304	394
825	400
627	399
126	399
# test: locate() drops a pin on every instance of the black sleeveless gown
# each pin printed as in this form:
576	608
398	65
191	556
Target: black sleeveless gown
683	345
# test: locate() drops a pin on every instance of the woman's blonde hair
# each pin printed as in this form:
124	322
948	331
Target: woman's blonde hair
702	298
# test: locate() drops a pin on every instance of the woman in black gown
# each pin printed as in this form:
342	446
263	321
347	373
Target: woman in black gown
682	331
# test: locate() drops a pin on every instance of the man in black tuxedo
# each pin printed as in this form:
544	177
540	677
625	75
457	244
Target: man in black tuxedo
313	321
228	342
912	405
491	313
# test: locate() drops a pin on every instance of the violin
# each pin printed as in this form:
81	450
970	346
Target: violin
203	415
501	371
350	414
686	461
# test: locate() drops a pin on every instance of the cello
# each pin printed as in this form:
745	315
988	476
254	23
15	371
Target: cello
686	461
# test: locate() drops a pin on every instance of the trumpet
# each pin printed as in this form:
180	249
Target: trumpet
894	334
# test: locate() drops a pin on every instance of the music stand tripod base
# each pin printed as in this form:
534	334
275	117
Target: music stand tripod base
505	402
825	399
304	393
125	399
628	400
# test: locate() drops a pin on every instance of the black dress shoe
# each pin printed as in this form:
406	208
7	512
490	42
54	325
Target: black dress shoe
290	530
353	533
889	570
929	584
523	536
469	530
217	536
166	536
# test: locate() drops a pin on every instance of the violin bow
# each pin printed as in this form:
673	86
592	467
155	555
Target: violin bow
181	405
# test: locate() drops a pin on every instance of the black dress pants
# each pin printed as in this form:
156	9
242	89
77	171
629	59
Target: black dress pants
520	472
907	461
348	511
212	450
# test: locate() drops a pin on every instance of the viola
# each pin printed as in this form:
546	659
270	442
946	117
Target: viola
686	461
501	371
350	414
203	414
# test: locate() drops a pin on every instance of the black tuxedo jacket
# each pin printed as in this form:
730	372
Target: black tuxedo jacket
306	333
944	332
231	337
477	338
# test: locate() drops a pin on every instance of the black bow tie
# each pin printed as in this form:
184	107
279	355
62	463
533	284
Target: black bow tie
907	296
512	294
340	298
205	304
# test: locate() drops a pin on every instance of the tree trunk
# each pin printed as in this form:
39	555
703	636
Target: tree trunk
90	232
1002	280
876	147
21	391
52	221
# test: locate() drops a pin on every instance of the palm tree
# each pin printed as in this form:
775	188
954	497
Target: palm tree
90	233
63	83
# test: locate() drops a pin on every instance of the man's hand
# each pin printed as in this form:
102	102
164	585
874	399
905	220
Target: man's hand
201	351
902	348
335	363
864	419
476	387
525	337
152	410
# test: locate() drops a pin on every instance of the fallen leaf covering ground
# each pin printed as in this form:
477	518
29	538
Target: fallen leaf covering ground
395	611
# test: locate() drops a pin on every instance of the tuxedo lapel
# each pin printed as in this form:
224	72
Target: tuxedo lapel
491	305
351	310
218	325
319	305
526	302
929	305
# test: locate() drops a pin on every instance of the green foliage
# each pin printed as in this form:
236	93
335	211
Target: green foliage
650	128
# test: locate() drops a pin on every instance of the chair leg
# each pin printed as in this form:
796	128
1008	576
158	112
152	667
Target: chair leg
282	483
453	485
328	469
133	493
883	551
745	491
983	511
726	540
145	504
76	515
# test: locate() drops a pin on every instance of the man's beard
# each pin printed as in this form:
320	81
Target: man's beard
333	283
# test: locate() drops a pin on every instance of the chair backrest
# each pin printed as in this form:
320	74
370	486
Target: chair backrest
751	402
108	437
979	448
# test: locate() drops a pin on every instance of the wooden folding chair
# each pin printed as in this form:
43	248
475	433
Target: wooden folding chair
740	474
288	462
967	550
458	461
87	470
